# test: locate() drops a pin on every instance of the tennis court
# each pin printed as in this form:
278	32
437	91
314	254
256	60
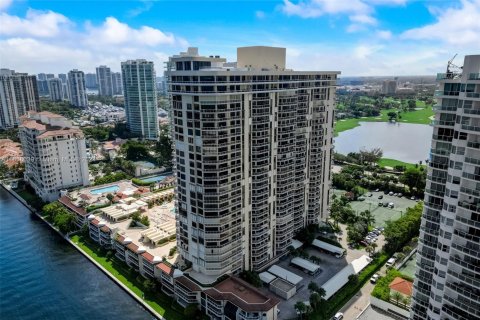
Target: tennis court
408	268
381	213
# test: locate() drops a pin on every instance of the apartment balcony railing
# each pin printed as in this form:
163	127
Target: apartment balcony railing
449	75
471	176
474	76
439	93
472	95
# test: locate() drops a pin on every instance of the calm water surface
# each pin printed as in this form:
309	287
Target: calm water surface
401	141
43	277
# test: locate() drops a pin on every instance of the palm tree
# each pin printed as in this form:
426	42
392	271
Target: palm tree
397	296
313	287
300	307
406	301
374	246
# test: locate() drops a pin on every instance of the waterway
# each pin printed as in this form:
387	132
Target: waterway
406	142
44	277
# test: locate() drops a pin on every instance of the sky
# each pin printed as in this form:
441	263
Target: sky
356	37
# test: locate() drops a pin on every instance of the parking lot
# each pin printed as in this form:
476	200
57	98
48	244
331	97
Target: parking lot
329	265
381	213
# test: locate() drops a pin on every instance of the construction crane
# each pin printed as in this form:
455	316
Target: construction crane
452	68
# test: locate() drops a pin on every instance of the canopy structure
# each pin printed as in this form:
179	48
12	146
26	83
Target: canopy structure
341	278
285	274
305	264
296	244
267	277
328	247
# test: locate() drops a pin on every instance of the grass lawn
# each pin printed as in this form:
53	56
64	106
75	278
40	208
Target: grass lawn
163	304
417	116
385	162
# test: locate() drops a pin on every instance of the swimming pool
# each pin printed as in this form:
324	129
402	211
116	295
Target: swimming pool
113	188
154	178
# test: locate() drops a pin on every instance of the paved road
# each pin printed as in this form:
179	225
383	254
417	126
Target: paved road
361	300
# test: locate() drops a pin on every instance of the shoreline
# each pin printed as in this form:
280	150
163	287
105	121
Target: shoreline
108	274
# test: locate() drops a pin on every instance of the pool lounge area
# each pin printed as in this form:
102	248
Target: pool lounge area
110	189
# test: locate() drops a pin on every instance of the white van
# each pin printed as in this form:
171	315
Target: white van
390	262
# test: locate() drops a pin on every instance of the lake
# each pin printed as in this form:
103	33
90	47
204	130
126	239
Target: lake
406	142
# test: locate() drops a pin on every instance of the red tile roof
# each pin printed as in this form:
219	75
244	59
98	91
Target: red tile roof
148	257
165	268
401	285
68	203
120	239
95	222
105	229
243	295
132	247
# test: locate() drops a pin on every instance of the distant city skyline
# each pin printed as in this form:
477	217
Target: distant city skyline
358	37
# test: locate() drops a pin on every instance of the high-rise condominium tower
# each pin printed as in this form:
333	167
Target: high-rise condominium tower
104	80
18	94
55	154
447	279
55	89
117	83
77	91
253	150
140	98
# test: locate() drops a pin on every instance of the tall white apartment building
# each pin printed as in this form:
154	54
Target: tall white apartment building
140	92
117	83
55	154
18	94
389	86
104	81
447	278
55	89
253	148
76	88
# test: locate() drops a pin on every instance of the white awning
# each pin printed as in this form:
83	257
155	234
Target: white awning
328	247
296	244
267	277
305	264
341	278
285	274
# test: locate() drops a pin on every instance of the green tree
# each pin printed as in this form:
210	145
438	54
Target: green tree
414	179
397	296
313	287
191	311
412	104
353	278
300	307
392	116
367	217
110	197
149	286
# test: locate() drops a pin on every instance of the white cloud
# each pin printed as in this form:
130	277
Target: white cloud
260	14
114	32
384	34
48	41
4	4
458	26
317	8
45	24
146	6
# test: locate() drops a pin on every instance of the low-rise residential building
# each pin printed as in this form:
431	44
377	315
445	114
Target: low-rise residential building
11	153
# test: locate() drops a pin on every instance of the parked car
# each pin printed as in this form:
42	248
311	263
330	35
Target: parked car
374	278
385	204
395	194
380	197
391	205
380	204
364	243
370	194
361	199
399	195
338	316
376	190
413	198
390	262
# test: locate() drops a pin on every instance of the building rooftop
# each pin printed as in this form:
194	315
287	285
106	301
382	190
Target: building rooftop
401	285
243	295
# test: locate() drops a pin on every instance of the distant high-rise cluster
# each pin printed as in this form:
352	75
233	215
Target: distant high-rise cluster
139	89
447	278
77	91
18	94
117	83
